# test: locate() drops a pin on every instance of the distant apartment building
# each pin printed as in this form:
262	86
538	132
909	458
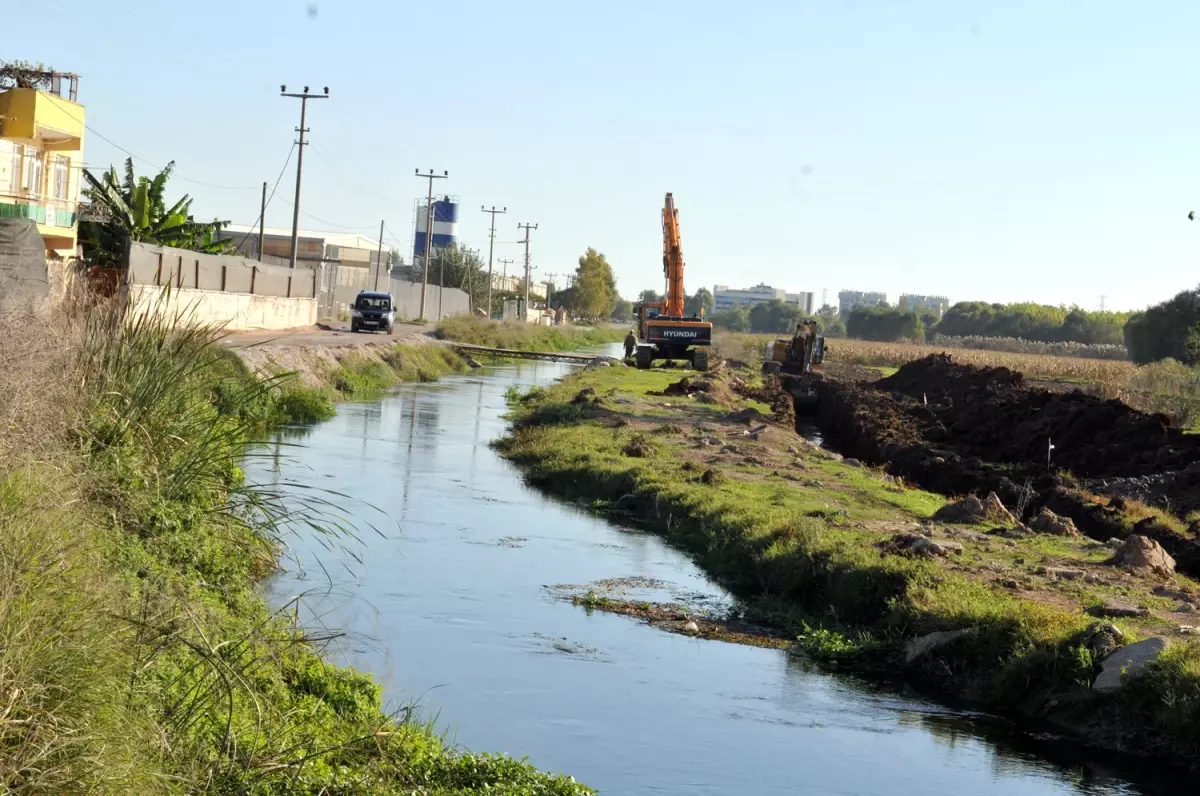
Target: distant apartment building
41	158
849	299
913	302
726	298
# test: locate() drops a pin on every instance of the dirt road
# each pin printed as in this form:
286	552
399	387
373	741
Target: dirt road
333	335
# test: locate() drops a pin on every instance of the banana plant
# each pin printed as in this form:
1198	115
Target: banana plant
136	211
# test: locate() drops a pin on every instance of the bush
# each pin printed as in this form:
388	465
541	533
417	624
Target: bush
1167	330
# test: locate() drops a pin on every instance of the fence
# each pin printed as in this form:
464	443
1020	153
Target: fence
219	289
187	270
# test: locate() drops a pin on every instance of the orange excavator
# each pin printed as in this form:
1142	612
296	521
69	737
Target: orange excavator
664	330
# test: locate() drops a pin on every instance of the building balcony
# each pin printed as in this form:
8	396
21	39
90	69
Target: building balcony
56	219
56	123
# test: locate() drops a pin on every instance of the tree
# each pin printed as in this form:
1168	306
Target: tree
774	317
1167	330
623	310
831	323
24	74
649	296
453	266
137	211
884	324
700	304
735	320
595	286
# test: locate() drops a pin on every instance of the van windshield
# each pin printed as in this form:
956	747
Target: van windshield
373	303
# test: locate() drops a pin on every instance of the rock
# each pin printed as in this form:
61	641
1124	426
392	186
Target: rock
1047	521
1144	555
705	398
1185	608
968	510
1127	661
472	364
1188	630
711	477
1115	543
584	396
1115	608
852	462
638	448
916	544
748	415
1064	573
729	449
1102	639
917	648
691	627
994	508
710	440
1019	532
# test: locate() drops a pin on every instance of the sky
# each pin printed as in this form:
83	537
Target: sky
1027	150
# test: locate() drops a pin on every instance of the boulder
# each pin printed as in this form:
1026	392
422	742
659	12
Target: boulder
1102	639
917	648
967	511
917	545
1127	661
852	462
1047	521
994	508
1115	608
1144	555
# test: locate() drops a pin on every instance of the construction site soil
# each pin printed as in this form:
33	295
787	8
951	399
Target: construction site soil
959	429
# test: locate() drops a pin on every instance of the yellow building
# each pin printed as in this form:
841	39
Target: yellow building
41	159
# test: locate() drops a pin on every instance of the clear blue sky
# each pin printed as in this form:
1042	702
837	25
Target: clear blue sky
1024	150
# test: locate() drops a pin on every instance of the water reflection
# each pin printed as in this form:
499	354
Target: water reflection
451	607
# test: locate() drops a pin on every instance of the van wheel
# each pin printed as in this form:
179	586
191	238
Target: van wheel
353	327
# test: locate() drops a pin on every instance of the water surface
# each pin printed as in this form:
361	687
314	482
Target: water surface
449	607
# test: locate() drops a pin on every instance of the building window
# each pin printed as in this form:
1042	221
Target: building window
62	176
35	162
14	182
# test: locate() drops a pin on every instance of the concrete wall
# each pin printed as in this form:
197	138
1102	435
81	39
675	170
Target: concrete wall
236	311
161	266
341	284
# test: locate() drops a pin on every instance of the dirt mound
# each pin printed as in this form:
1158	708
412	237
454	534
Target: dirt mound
992	414
961	430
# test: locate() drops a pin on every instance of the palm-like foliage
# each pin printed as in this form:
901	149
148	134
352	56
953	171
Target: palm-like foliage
137	211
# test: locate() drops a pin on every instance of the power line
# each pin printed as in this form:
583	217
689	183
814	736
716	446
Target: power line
263	212
527	228
491	248
103	137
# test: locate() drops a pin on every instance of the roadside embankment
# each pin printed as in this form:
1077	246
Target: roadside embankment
137	654
311	379
526	336
958	597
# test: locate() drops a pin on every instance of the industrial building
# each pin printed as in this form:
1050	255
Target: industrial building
313	248
726	298
914	302
41	158
849	299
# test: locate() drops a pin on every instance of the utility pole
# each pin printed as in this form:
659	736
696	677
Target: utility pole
527	228
1102	300
491	248
379	256
262	220
549	287
428	232
304	97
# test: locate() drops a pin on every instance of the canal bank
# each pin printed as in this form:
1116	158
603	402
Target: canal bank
452	605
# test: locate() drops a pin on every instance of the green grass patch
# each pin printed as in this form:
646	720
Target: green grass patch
526	336
137	652
805	557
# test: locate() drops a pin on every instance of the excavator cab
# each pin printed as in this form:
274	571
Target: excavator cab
797	363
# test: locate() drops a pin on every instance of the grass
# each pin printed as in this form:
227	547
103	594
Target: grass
526	336
802	554
137	654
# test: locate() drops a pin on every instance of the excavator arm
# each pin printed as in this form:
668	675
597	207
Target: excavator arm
672	261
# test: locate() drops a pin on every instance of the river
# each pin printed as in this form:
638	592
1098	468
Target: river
444	601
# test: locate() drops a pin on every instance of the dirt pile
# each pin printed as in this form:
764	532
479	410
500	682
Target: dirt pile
959	429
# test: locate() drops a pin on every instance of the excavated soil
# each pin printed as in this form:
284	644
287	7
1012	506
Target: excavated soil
960	429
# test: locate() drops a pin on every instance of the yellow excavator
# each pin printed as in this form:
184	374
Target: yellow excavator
796	363
664	330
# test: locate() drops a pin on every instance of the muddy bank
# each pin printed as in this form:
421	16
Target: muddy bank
958	429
